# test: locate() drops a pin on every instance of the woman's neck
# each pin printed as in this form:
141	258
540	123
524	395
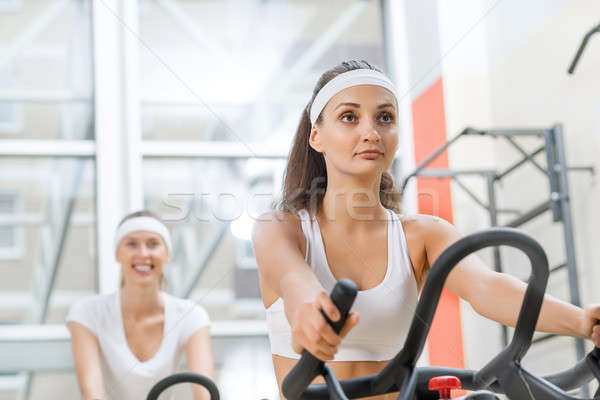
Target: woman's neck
140	301
353	205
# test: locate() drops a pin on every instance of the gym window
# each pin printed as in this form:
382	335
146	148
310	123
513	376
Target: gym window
10	117
10	234
10	5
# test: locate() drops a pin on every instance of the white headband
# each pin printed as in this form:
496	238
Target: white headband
143	224
345	80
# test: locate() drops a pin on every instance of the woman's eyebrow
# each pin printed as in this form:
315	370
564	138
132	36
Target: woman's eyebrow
347	104
385	105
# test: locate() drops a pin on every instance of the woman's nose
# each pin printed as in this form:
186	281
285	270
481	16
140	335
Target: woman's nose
371	135
144	250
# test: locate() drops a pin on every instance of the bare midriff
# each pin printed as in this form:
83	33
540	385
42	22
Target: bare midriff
342	369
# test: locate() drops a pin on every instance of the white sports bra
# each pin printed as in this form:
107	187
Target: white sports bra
385	310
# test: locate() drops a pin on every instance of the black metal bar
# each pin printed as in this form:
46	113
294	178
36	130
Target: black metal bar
591	170
308	367
471	194
449	173
183	377
582	46
569	236
543	338
432	157
514	132
528	216
559	201
528	157
435	173
558	267
552	165
421	323
335	389
358	387
574	377
472	131
491	178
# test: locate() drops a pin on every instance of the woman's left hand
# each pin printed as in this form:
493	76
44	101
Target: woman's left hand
591	323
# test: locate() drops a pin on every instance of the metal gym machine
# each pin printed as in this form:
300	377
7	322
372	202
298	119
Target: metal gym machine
558	201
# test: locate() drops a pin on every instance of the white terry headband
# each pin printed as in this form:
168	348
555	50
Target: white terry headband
345	80
143	224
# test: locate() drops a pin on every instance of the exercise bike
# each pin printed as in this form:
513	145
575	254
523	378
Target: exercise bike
502	375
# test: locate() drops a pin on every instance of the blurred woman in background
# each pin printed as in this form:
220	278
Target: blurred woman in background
125	342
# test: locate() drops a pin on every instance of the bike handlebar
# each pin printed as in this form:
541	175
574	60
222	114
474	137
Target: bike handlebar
534	295
503	374
342	295
182	377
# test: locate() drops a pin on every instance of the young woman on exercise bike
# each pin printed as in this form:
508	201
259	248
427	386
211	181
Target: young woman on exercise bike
126	341
340	218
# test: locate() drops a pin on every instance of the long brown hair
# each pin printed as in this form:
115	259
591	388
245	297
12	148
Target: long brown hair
143	213
306	175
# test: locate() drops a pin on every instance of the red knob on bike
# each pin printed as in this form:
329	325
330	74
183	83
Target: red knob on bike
444	384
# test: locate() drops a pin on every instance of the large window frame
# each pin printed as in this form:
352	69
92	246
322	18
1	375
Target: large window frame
119	152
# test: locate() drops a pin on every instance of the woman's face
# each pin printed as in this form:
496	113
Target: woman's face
358	133
142	255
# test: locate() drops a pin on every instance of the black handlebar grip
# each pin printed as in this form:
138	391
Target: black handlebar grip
183	377
308	367
343	295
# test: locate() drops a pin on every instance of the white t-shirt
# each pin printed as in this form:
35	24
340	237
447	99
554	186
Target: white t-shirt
126	377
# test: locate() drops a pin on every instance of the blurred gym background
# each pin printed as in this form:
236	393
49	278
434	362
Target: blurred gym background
188	108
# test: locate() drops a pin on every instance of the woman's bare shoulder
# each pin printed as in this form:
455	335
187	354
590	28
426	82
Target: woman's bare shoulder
421	228
421	223
278	219
276	224
429	230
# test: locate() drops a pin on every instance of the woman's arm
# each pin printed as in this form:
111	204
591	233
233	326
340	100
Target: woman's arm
199	360
283	271
498	296
86	355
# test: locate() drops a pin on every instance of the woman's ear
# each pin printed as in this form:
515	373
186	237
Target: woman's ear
314	140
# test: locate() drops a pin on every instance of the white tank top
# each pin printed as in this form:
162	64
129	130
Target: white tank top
385	310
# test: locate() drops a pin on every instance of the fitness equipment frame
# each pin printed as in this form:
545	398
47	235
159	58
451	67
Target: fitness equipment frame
558	199
582	46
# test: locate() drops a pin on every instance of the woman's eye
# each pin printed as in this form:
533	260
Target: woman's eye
153	244
348	117
131	244
386	118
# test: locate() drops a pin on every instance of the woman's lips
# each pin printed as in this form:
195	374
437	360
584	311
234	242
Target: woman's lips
143	270
370	155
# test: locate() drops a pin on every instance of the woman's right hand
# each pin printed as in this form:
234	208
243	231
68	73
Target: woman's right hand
311	331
